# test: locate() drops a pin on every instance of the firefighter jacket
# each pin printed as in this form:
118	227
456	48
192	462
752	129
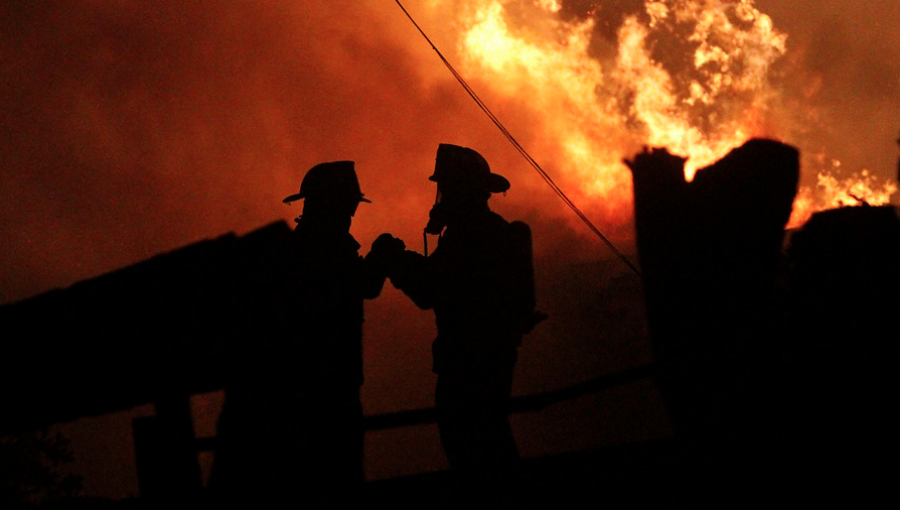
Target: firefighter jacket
480	283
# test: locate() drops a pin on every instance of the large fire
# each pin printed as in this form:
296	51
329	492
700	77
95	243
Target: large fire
695	76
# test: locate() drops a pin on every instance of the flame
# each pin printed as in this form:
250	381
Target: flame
550	66
860	188
689	75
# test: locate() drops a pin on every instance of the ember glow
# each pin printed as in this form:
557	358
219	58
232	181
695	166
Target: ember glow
860	188
198	117
128	129
693	76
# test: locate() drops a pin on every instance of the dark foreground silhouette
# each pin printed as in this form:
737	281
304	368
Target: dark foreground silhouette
291	428
775	370
777	367
845	282
480	283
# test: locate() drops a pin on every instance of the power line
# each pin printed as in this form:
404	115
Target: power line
556	189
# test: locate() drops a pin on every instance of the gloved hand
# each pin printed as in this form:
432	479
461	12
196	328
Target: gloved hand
388	244
385	251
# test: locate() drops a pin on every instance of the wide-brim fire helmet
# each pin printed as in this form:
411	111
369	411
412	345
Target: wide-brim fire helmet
463	168
333	181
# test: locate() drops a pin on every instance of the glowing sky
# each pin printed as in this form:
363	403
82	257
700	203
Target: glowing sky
131	128
127	128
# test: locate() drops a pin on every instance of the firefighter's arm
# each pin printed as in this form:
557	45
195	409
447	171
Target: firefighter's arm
409	273
378	262
406	269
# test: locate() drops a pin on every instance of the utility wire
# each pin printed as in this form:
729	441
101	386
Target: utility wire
556	189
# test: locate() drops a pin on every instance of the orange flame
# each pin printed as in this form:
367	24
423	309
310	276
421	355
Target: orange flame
689	75
832	192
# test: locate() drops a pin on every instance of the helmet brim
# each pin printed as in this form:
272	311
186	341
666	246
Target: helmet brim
298	196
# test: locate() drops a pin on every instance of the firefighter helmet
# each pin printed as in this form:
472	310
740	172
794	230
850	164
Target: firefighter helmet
334	180
464	167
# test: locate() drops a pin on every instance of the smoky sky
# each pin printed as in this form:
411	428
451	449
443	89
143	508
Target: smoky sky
132	128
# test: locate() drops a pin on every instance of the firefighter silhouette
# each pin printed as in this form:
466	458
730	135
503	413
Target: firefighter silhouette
294	427
479	281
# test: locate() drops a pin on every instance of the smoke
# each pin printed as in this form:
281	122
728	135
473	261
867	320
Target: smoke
132	128
129	129
845	72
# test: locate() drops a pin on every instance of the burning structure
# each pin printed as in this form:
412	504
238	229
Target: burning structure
769	365
191	113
